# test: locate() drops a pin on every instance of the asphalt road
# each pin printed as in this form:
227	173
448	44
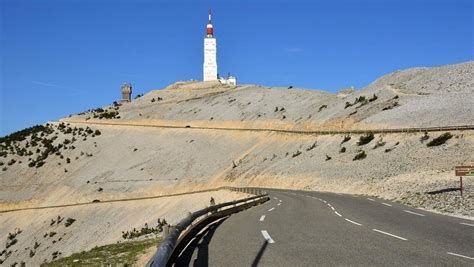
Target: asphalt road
300	228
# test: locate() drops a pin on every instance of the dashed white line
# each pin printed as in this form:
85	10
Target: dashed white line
459	255
337	213
356	223
414	213
271	209
267	237
392	235
279	200
279	204
332	208
275	198
370	199
386	204
468	224
262	218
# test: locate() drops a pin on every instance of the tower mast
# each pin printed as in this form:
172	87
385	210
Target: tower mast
210	52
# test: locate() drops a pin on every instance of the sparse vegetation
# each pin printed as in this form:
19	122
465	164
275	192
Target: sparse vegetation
311	147
328	157
120	254
360	155
296	154
134	233
322	107
343	150
440	139
373	98
69	221
365	139
346	138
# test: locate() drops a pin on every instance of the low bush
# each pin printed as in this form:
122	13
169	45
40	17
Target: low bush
328	157
359	156
346	138
296	154
69	221
373	98
365	139
322	107
440	139
343	150
312	146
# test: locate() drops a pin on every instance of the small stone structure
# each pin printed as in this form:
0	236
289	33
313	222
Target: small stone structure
127	92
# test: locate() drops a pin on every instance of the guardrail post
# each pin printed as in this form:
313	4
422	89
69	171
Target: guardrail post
166	230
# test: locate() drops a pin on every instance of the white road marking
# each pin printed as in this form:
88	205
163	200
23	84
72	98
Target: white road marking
459	255
396	236
370	199
324	201
338	214
262	218
332	208
275	198
386	204
267	237
353	222
315	197
279	200
414	213
271	209
279	204
468	224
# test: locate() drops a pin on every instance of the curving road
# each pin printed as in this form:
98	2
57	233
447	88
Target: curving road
301	228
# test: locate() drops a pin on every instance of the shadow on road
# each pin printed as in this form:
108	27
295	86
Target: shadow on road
443	191
259	254
201	243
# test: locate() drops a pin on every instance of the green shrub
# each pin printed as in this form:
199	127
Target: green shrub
346	138
365	139
440	139
361	155
296	154
312	146
373	98
69	221
322	107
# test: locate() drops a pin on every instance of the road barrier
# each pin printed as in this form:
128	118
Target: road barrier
181	234
319	132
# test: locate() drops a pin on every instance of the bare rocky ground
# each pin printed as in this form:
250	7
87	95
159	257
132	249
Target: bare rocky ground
43	237
131	161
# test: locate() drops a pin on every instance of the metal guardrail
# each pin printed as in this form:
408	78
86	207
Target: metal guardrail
295	131
179	237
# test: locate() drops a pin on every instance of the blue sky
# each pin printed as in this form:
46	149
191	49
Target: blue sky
62	57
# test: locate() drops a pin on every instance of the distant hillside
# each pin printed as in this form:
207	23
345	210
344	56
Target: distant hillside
76	161
419	97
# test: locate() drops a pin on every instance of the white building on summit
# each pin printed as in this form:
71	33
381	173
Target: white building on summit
210	51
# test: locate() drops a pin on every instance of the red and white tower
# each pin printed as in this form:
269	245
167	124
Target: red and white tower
210	53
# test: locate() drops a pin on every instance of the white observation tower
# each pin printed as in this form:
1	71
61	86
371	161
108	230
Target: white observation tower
210	51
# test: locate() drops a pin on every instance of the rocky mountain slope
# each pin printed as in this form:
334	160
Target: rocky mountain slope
92	155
